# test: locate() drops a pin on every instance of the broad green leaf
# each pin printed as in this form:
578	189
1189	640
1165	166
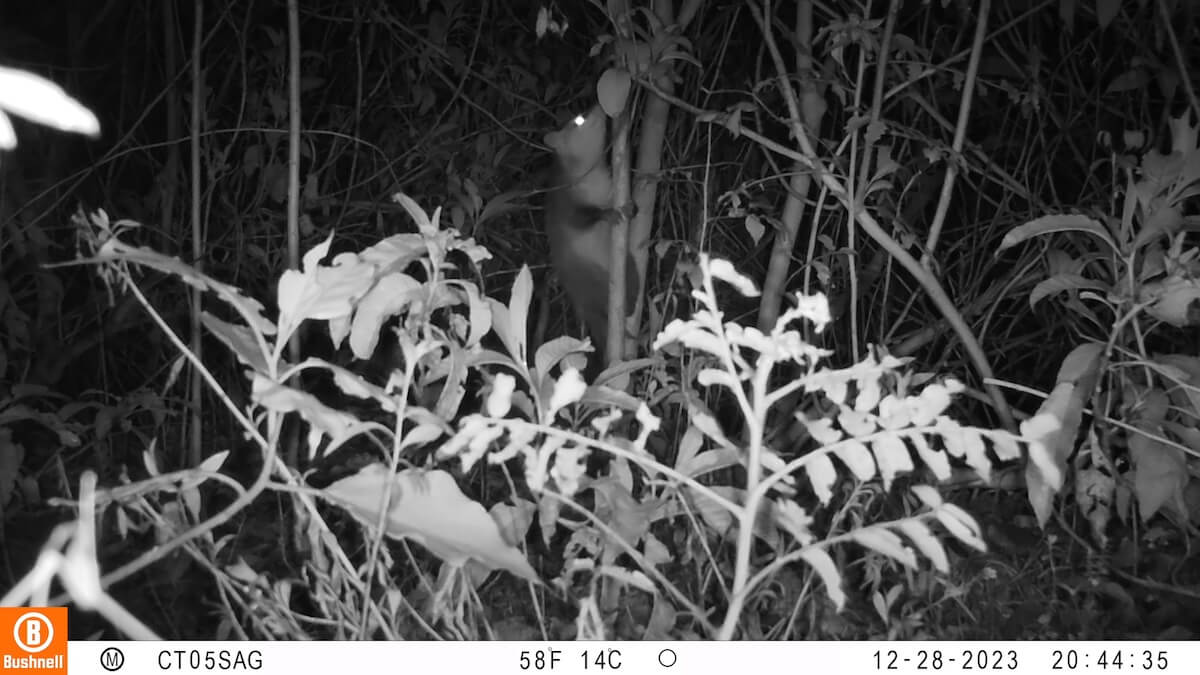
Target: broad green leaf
428	507
1069	222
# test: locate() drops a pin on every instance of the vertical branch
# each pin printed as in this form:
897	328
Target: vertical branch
196	390
807	108
864	172
171	169
619	242
651	137
293	201
960	134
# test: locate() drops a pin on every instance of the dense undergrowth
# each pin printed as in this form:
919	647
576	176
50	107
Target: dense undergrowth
960	403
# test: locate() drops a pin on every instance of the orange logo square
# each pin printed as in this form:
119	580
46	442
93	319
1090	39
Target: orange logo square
33	640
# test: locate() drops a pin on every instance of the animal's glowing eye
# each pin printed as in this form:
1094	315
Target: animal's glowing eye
579	120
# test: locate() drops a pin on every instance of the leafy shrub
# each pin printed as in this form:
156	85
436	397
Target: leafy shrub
875	422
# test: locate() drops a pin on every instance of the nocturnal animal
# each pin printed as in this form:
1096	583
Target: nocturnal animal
580	213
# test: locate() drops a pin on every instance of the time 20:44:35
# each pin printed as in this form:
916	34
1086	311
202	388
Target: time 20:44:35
1115	659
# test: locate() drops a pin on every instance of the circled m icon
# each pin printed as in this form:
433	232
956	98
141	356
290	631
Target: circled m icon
112	659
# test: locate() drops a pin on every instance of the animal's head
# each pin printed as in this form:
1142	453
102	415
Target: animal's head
582	142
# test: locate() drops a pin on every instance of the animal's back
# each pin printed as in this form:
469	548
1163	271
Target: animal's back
579	217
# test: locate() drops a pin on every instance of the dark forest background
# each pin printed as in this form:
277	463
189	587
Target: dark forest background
1054	270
